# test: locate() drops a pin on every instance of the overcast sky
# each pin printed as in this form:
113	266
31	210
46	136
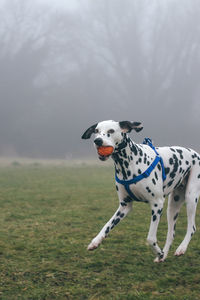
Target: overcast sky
61	4
66	65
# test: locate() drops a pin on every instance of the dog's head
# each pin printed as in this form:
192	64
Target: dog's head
108	135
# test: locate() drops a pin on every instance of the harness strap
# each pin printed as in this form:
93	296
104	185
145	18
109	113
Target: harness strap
145	174
148	141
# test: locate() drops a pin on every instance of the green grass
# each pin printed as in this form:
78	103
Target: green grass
48	215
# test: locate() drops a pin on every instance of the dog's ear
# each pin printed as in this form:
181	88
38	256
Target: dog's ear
127	126
87	134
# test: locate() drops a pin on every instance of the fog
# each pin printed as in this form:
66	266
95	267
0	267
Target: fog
65	65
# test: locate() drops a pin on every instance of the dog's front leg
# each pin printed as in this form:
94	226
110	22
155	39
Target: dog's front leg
156	212
120	214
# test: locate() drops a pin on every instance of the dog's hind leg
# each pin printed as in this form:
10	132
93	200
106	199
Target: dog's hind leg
120	214
175	201
191	198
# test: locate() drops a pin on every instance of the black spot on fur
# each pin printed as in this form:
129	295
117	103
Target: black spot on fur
126	164
117	188
154	182
171	161
128	199
124	153
172	175
167	171
107	230
198	176
154	218
156	176
159	167
176	198
148	189
170	183
117	221
180	152
175	167
175	217
134	149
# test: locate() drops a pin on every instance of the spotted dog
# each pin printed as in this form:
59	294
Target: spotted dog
181	183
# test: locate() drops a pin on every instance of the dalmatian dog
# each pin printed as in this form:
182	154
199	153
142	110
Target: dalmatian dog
182	182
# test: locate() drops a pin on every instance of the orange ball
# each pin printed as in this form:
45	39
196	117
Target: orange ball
105	150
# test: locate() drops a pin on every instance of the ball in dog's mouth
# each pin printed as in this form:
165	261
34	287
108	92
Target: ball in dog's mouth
104	152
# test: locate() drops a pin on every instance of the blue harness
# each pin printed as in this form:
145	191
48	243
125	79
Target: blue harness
127	183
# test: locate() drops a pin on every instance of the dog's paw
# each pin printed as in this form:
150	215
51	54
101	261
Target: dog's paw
161	257
159	260
180	251
93	245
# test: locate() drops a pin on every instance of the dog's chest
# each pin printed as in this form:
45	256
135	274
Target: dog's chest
146	188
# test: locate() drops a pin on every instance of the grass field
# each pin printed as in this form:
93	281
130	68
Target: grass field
48	215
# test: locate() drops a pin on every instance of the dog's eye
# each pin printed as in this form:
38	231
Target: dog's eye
111	131
96	131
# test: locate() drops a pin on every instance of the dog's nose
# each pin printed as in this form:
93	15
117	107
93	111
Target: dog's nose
98	142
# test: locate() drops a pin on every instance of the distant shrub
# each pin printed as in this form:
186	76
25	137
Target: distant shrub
15	164
36	164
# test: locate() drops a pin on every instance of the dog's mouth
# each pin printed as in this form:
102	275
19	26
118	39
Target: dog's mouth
104	152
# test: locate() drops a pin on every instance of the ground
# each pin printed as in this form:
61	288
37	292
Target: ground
48	215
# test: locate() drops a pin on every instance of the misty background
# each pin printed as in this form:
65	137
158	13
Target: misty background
65	65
